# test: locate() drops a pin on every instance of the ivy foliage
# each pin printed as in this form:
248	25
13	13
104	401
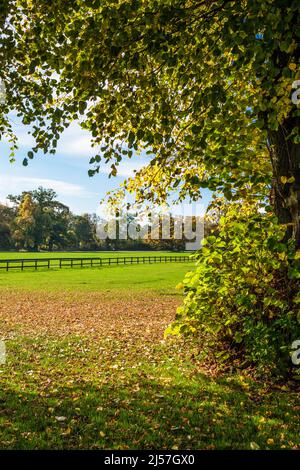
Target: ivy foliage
242	301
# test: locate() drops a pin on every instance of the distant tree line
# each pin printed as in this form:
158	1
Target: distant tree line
37	221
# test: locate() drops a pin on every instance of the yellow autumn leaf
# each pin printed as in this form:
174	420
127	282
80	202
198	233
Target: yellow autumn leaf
180	286
67	432
293	67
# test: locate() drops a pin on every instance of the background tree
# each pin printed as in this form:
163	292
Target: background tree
24	225
38	221
84	227
50	217
172	237
7	215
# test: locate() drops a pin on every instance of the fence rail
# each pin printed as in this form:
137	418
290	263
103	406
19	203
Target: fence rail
59	263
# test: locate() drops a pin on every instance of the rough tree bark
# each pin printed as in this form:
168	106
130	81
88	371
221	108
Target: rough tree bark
285	155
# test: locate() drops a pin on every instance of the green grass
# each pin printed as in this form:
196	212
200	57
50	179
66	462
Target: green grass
161	278
85	254
126	391
72	394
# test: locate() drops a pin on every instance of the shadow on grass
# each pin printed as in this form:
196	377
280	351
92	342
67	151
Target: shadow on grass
195	413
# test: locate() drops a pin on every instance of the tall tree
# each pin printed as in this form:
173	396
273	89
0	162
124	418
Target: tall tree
51	218
25	226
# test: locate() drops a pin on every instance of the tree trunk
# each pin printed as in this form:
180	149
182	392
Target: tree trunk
285	155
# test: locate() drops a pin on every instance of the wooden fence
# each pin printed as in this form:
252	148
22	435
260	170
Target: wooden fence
59	263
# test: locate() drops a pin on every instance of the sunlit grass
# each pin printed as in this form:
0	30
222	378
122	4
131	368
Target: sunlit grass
84	254
160	277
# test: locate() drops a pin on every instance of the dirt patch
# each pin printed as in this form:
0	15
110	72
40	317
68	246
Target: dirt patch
92	314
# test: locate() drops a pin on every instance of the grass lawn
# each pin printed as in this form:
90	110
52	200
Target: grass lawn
88	368
161	278
85	254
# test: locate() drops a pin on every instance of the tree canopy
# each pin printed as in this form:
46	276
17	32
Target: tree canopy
203	82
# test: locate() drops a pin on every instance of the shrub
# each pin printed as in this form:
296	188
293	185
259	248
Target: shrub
242	301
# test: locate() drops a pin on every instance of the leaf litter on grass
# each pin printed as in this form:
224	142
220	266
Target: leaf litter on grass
95	314
91	371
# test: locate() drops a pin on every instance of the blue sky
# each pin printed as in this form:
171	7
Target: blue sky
65	172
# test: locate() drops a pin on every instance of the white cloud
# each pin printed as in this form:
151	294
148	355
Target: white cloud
76	142
5	202
13	184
